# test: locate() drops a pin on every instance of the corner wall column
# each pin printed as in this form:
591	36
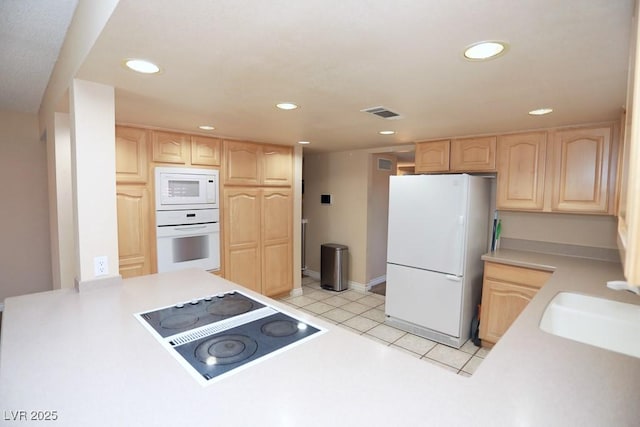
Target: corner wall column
94	180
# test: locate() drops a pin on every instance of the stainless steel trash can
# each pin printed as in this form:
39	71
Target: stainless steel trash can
334	263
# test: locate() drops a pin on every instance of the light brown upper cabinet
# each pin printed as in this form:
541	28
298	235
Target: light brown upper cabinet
432	156
581	170
457	155
247	163
170	147
473	154
277	163
521	171
564	170
205	151
131	155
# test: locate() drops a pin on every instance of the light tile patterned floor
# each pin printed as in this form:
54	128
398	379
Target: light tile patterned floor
363	314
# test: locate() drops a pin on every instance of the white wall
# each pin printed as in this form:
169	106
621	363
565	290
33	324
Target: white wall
25	265
93	160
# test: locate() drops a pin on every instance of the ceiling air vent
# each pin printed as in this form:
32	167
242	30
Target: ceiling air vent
383	112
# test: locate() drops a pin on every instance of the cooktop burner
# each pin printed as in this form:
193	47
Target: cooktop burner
185	316
229	349
279	328
214	335
225	349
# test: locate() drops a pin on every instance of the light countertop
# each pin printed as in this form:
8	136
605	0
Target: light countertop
87	357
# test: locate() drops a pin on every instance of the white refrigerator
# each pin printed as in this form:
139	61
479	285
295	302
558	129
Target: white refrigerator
438	230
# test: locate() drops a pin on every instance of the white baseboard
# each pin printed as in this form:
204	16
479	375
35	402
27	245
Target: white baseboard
376	281
295	292
356	286
313	274
87	285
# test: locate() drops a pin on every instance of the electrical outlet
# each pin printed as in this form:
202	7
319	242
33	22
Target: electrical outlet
100	266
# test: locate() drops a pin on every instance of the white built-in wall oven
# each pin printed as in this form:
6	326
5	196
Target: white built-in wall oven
187	218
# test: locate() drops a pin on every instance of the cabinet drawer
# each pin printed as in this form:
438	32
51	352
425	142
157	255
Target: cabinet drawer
520	275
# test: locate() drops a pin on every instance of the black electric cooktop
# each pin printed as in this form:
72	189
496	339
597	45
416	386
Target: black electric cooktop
216	334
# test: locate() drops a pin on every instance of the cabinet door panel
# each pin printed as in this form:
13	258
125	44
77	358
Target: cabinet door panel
205	151
241	223
432	156
521	167
243	267
133	230
581	170
276	165
502	303
170	147
131	155
473	154
276	275
242	163
277	232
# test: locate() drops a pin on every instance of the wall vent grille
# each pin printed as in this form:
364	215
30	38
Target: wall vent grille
384	164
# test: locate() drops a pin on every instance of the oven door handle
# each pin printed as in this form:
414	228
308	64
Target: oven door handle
190	227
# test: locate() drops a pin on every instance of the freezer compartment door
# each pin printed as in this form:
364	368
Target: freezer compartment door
428	299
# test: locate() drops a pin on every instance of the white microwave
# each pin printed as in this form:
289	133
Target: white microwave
186	188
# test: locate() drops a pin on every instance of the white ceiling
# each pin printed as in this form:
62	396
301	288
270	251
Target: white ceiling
227	62
31	34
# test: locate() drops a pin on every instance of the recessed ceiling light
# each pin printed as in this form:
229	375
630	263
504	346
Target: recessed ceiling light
287	106
540	111
485	50
206	127
304	142
142	66
387	132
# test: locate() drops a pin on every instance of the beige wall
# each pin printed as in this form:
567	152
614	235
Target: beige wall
378	217
582	230
344	176
61	202
25	265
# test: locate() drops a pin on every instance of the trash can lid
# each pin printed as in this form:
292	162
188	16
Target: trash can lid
336	246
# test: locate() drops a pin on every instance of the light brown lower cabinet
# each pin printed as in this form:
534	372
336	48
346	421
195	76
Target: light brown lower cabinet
258	233
506	291
133	230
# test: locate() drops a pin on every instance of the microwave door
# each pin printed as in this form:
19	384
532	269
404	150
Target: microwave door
184	188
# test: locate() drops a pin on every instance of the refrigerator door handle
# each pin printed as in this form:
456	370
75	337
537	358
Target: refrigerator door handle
453	278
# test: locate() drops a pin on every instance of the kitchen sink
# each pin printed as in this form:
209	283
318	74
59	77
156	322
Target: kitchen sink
599	322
